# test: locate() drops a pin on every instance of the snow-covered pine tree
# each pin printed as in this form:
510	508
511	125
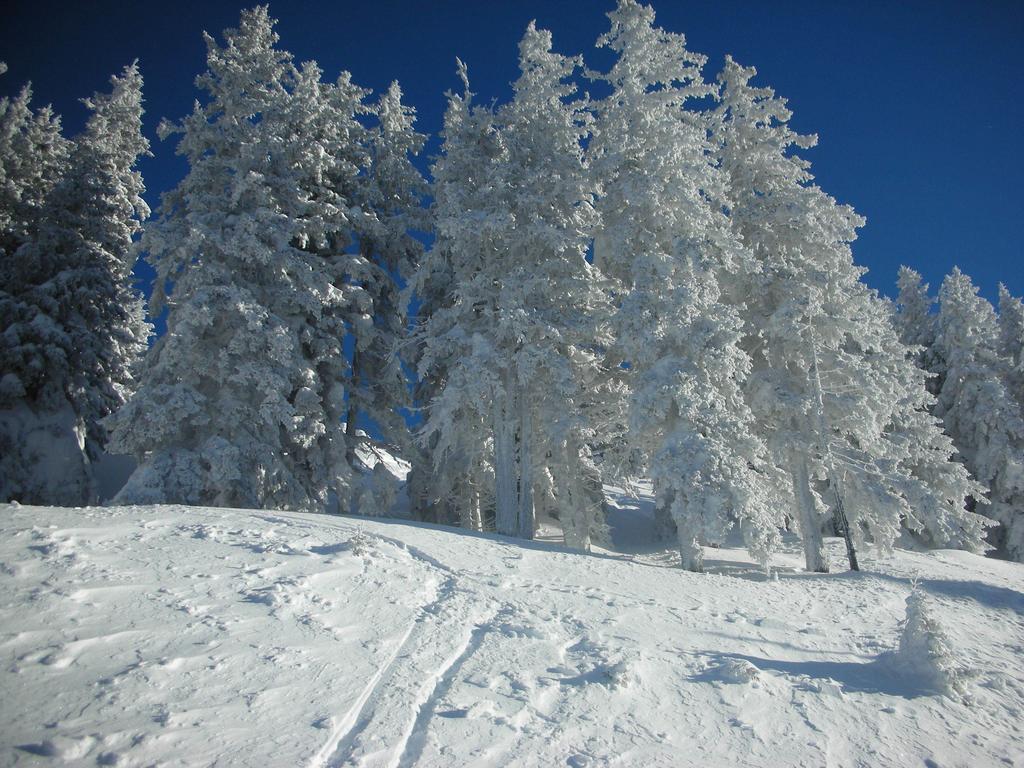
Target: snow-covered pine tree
452	360
1011	339
74	325
241	402
553	305
832	384
936	513
33	157
513	217
914	318
926	655
394	192
977	408
915	323
665	239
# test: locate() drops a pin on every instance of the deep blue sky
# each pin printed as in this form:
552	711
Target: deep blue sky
918	105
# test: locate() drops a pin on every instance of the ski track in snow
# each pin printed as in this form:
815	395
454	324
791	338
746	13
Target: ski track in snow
171	635
393	709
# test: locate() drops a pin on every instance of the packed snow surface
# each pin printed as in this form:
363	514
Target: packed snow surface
172	635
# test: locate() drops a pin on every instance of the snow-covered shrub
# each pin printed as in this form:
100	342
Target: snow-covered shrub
926	655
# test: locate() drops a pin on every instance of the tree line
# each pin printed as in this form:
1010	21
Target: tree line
646	283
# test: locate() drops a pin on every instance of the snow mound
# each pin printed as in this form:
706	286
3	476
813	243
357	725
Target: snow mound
926	654
734	671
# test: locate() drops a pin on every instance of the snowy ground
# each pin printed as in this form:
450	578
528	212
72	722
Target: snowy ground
185	636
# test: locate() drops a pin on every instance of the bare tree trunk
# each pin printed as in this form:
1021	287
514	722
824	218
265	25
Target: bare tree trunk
506	502
843	524
527	517
664	525
475	522
827	456
350	415
815	557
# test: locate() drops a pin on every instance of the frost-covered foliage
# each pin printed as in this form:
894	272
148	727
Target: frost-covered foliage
915	323
939	487
377	494
1011	340
242	400
511	339
833	390
33	157
392	196
650	282
73	324
977	407
926	655
666	241
448	480
914	318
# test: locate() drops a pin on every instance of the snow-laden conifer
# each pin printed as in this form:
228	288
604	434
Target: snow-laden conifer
509	346
33	154
74	326
926	655
453	363
393	191
1011	340
833	389
977	408
666	240
242	401
915	322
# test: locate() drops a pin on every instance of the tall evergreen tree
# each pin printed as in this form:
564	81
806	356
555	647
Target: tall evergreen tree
832	384
915	323
1011	340
33	157
513	216
447	481
977	408
242	401
393	194
74	325
666	240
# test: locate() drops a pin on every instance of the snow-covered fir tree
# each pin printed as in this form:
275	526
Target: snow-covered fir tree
448	478
926	655
1011	340
666	241
915	322
977	408
242	401
393	191
833	389
510	348
74	324
33	156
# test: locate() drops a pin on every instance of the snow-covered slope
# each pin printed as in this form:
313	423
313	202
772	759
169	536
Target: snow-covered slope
187	636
